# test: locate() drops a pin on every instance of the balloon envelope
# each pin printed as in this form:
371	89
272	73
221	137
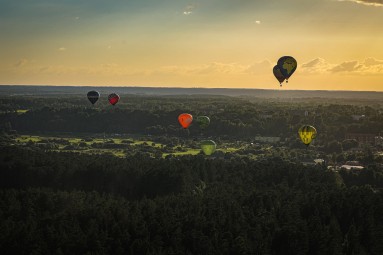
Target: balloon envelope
278	74
208	147
307	134
287	65
203	121
93	96
185	119
113	98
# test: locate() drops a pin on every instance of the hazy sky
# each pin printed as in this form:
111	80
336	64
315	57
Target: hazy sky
204	43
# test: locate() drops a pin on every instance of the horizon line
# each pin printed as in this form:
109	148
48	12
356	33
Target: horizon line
176	87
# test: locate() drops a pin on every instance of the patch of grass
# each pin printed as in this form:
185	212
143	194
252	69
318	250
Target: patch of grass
73	140
119	153
188	152
27	138
231	149
137	142
21	111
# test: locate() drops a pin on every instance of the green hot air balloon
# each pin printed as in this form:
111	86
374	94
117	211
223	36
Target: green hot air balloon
208	147
203	121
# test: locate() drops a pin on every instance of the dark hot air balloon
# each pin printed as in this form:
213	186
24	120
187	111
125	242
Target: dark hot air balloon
203	121
278	74
93	96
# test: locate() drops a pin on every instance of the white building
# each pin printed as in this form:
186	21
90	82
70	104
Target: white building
357	117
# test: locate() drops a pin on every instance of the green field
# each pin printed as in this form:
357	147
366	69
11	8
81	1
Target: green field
102	145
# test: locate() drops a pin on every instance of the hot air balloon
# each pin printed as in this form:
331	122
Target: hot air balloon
287	65
185	119
278	74
208	147
113	98
203	121
307	134
93	96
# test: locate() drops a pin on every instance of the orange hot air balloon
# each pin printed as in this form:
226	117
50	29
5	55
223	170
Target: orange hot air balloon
185	119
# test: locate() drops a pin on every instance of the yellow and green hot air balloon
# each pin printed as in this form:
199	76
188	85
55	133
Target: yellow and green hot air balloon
287	65
307	134
203	121
208	147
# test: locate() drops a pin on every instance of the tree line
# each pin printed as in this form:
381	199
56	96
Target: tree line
231	117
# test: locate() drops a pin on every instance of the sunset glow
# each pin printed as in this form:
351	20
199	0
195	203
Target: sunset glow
210	43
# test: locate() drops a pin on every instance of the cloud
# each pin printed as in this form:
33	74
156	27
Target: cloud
366	2
321	66
313	63
204	69
189	9
317	65
214	71
217	68
372	62
258	22
62	49
371	66
22	62
347	66
260	67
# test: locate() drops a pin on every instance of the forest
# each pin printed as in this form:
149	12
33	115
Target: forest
77	178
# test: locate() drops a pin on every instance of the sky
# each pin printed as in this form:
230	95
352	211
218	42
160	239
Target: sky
338	44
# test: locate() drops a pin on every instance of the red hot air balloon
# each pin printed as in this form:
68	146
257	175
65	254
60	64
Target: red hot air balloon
185	119
113	98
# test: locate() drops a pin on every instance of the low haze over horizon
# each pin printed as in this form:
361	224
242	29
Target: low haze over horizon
210	43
